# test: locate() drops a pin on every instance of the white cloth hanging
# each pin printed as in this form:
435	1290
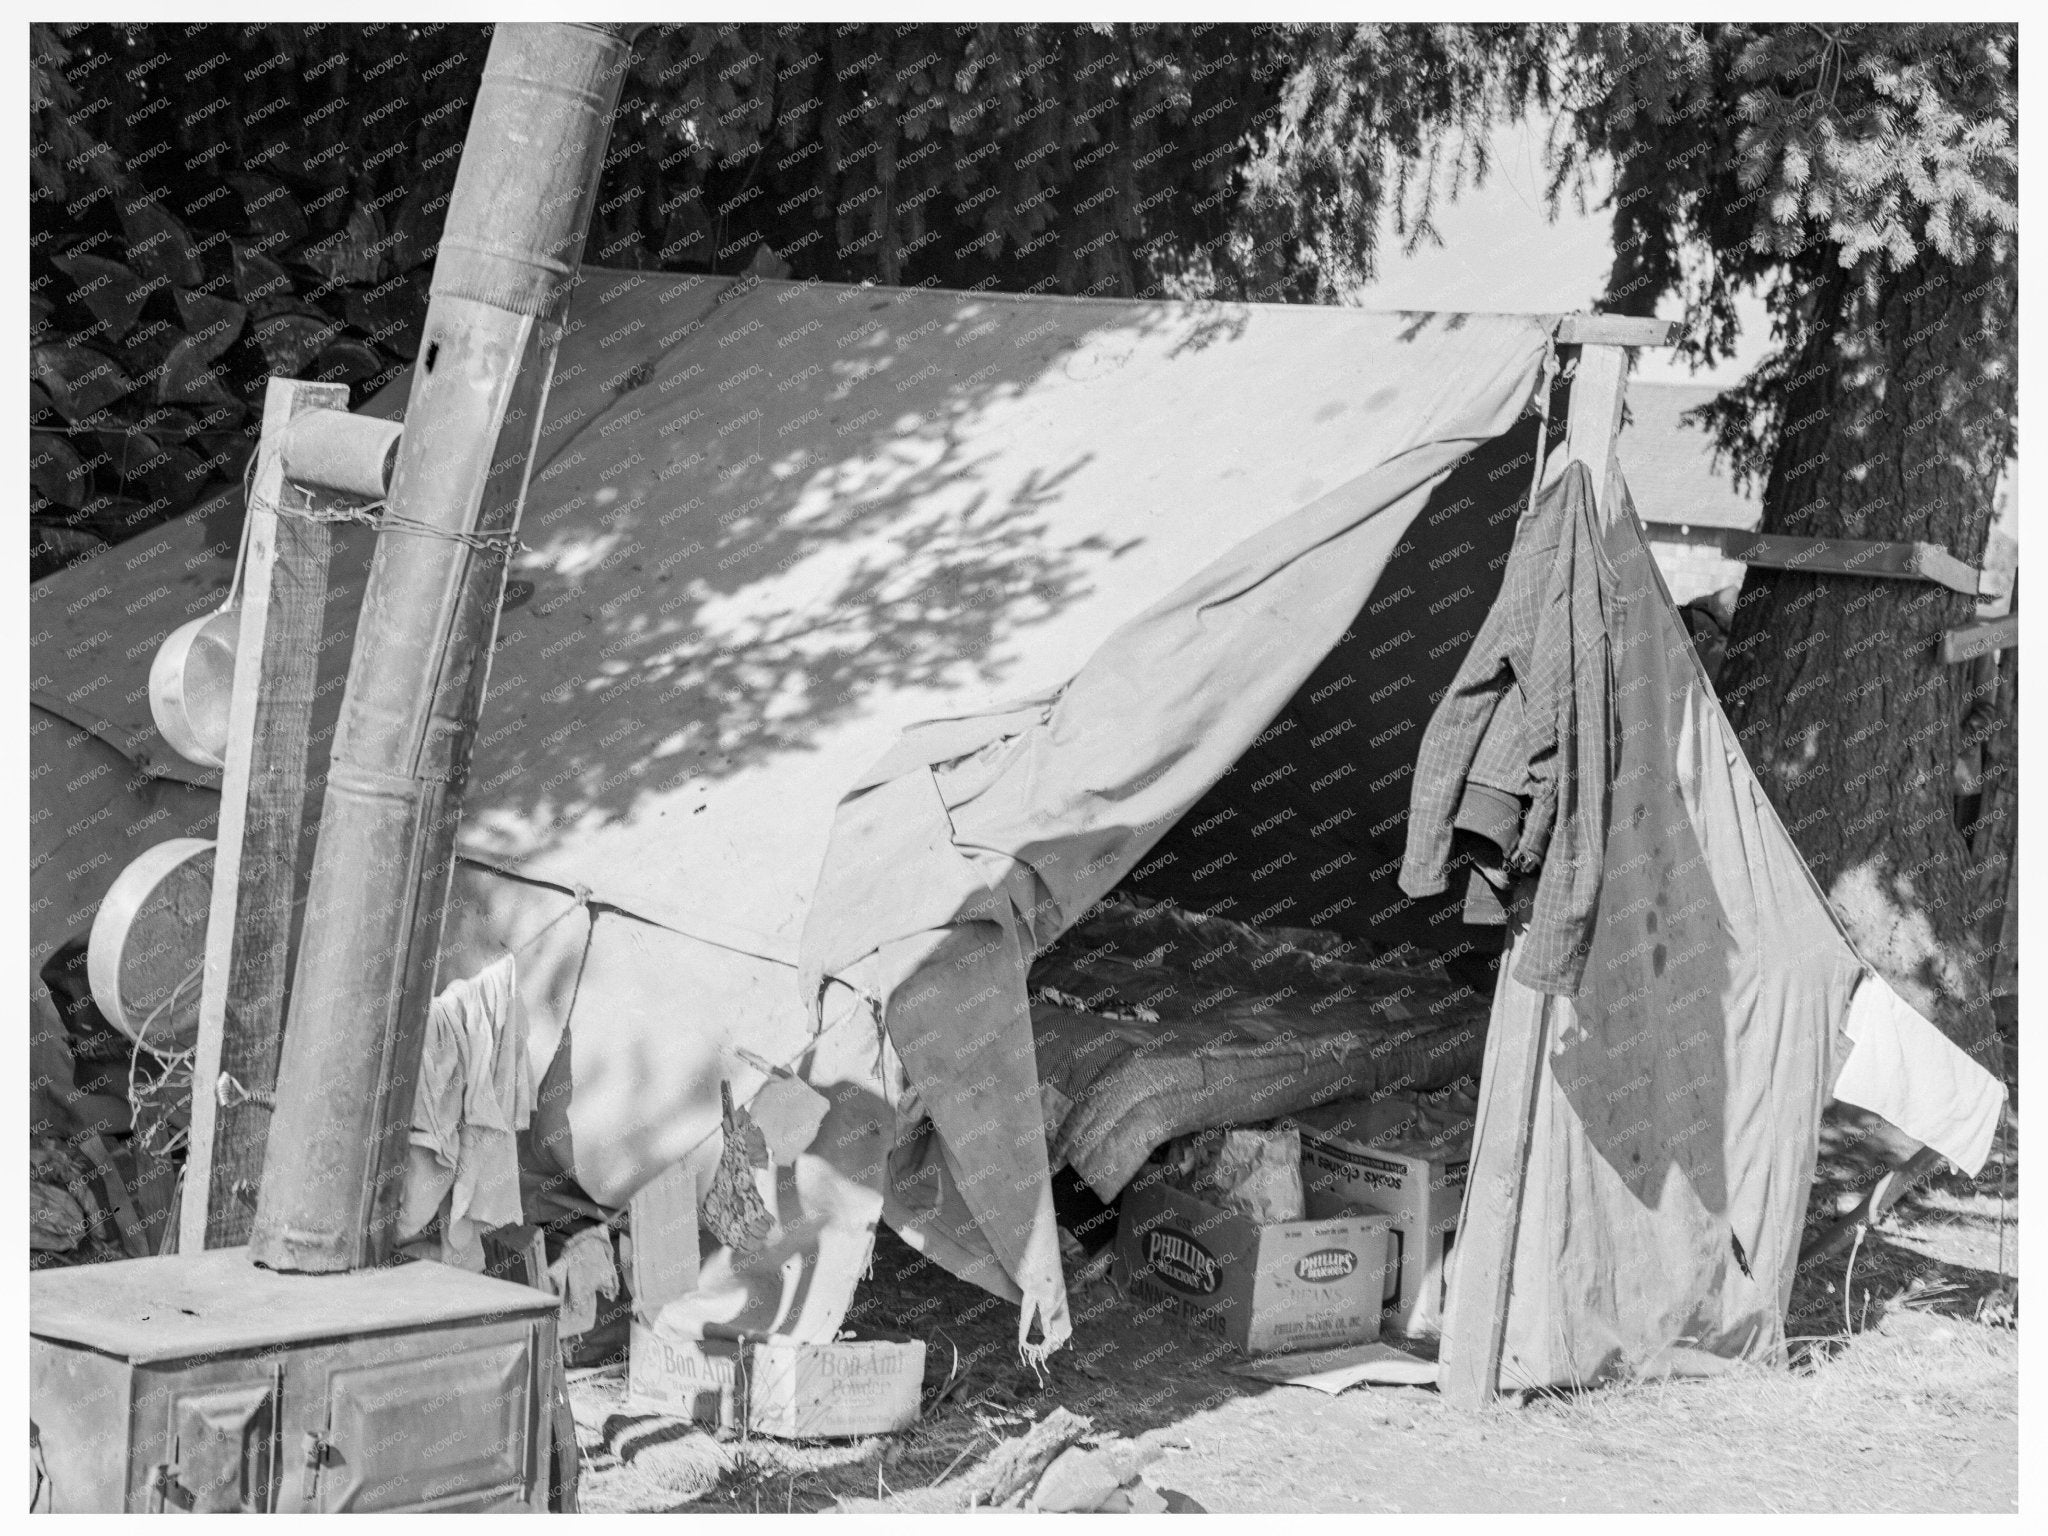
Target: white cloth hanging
1903	1068
473	1097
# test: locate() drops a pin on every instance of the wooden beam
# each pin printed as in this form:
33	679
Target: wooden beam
1593	425
1974	640
1851	557
1868	1211
1615	331
1482	1264
257	864
1517	1040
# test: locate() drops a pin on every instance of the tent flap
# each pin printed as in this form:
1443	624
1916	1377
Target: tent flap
1678	1111
1049	813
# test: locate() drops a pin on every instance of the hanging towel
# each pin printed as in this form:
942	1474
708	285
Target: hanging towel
473	1097
583	1273
1903	1068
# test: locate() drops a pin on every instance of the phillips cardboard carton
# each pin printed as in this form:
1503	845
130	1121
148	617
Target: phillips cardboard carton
1406	1157
1272	1289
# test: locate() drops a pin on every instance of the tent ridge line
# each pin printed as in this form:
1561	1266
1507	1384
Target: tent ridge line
1572	327
110	734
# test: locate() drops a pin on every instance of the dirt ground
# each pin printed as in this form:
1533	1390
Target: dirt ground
1902	1395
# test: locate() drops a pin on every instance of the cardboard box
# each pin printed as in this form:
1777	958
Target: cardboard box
1265	1289
778	1387
1405	1157
683	1378
820	1391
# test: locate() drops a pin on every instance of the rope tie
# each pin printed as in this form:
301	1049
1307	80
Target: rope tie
1543	417
378	515
583	895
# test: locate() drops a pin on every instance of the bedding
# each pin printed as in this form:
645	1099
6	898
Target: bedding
1151	1021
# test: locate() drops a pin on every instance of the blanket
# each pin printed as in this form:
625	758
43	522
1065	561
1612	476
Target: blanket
1151	1021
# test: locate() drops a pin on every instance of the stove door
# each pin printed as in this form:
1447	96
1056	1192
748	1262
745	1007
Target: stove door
224	1441
447	1424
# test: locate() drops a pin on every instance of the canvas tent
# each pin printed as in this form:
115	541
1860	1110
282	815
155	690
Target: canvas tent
864	638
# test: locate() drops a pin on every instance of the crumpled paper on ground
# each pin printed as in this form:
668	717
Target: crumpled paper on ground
1083	1478
1254	1172
1333	1370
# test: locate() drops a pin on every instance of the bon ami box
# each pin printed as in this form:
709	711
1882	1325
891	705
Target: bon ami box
777	1386
1266	1290
684	1378
1406	1156
822	1391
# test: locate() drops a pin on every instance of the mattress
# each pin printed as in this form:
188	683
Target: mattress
1152	1021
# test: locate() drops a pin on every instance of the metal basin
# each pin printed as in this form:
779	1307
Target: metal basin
191	683
148	941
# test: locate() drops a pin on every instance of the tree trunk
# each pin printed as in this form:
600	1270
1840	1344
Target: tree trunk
1895	428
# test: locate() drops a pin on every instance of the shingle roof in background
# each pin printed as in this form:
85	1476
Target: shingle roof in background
1670	465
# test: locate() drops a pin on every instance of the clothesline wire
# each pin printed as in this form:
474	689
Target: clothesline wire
584	895
787	1065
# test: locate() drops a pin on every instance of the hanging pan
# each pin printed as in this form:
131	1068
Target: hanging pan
148	940
192	679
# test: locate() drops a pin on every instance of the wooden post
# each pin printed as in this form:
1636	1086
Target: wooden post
1518	1035
1482	1264
1593	427
365	976
257	866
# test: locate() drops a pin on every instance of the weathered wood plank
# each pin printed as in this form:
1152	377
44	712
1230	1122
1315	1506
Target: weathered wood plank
1482	1264
1615	331
1475	1313
1974	640
1851	557
257	866
1598	389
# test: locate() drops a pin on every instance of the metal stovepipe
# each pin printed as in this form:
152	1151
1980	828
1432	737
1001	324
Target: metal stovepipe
336	1154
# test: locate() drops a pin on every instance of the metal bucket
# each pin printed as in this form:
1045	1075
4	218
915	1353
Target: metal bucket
191	684
148	942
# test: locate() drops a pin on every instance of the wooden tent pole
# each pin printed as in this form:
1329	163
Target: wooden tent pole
1518	1035
336	1155
256	862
